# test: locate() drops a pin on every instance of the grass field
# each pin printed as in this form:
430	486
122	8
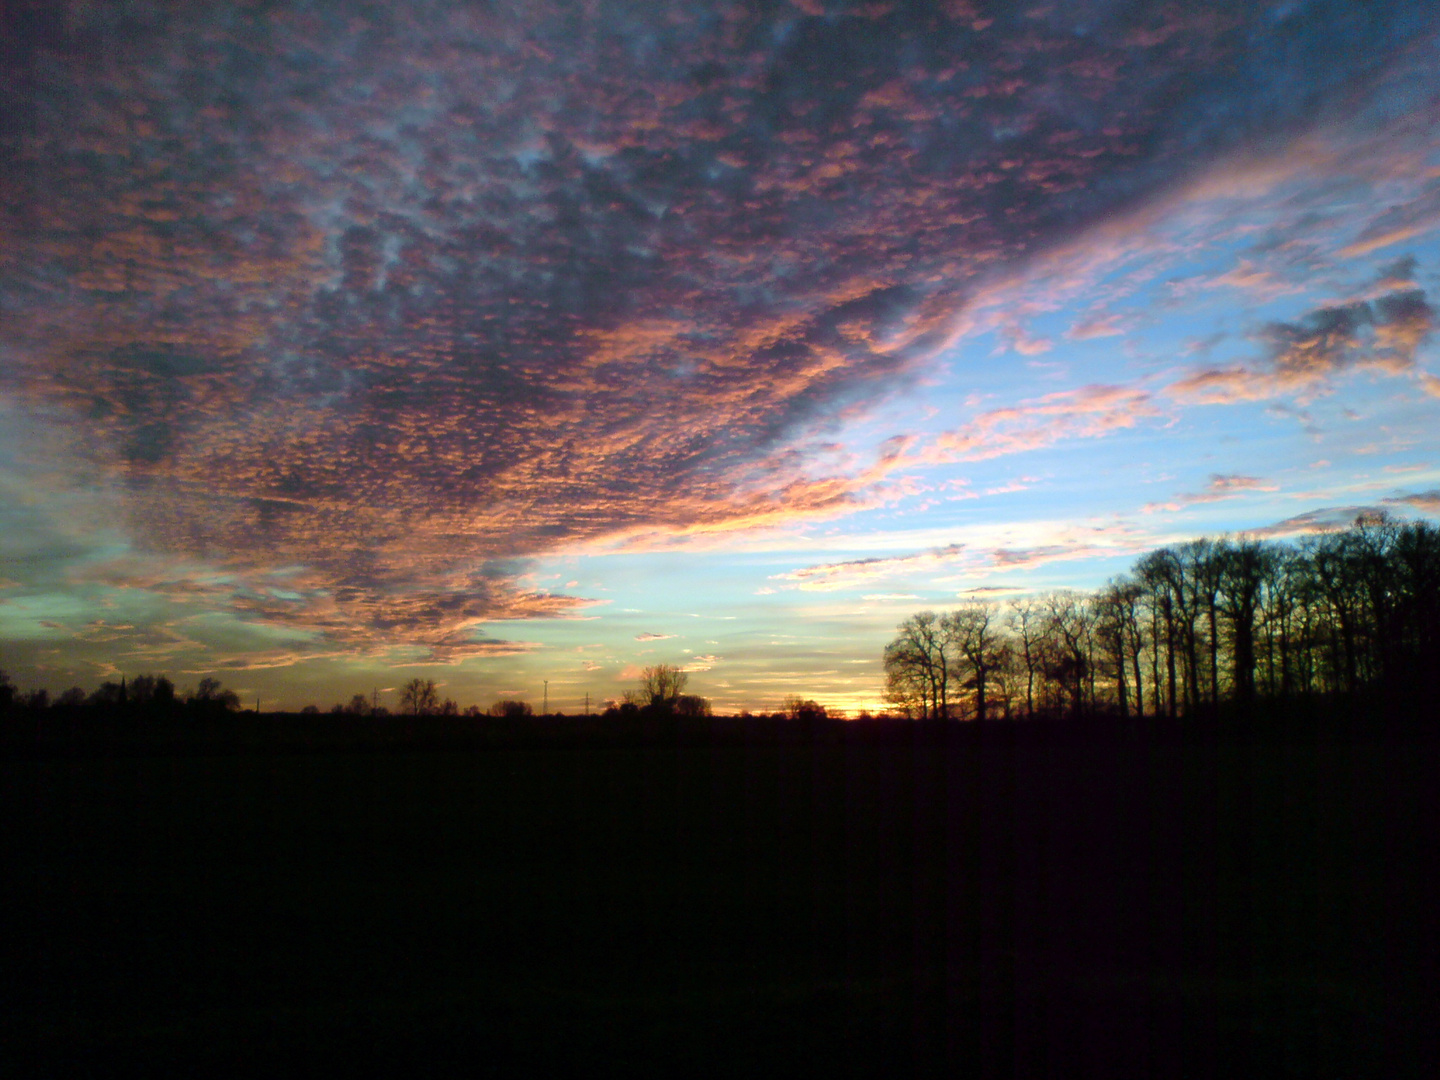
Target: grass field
1022	900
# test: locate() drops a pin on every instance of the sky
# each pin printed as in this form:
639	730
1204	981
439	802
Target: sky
521	346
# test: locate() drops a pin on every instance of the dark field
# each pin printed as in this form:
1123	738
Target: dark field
886	900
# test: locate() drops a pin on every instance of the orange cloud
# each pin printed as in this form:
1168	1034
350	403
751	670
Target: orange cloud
1223	386
1303	357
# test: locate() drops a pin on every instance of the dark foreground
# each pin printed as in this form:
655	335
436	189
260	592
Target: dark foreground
883	900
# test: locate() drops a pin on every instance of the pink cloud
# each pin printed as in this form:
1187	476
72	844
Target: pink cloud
1099	326
1018	339
1089	412
1399	223
1426	501
1223	386
845	575
1305	356
1221	486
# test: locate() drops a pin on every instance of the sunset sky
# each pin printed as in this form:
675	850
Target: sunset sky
346	342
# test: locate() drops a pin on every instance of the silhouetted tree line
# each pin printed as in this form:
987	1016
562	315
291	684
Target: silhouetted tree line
660	693
1190	630
142	695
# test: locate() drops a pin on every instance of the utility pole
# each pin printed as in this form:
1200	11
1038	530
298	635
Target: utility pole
587	702
545	709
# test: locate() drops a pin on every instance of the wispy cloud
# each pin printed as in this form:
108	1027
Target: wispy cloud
857	572
1017	339
1099	325
1397	224
1323	519
1220	486
1089	412
1426	501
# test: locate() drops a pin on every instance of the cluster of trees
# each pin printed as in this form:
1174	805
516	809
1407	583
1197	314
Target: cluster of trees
1189	629
661	691
421	697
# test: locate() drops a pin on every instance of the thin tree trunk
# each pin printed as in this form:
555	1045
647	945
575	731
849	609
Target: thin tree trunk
1155	661
1139	686
1214	658
1170	656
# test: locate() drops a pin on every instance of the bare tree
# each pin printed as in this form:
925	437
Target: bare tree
1414	558
662	685
1024	621
1005	677
917	666
1164	573
1244	569
975	633
1110	629
1206	563
1068	626
905	686
419	697
1333	581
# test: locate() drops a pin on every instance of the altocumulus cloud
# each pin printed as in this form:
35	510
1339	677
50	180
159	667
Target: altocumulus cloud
400	295
1306	356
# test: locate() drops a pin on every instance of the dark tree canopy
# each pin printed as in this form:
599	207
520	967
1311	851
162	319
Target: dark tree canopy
1193	628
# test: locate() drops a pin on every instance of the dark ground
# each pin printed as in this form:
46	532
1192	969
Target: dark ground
883	900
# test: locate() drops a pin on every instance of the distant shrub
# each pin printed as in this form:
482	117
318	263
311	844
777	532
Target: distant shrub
797	708
210	696
692	705
512	709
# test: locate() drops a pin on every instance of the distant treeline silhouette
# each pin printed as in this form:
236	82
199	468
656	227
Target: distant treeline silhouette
660	692
1201	628
1195	629
144	694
